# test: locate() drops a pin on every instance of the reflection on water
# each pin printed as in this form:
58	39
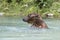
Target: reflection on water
13	28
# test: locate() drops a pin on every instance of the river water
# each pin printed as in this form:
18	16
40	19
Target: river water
13	28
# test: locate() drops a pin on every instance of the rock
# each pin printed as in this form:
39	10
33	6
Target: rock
1	14
49	15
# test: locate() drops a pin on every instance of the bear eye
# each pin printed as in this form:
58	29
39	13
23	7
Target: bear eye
36	16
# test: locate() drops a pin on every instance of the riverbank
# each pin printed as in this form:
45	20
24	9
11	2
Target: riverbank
44	15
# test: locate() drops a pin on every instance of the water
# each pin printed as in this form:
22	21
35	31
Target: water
13	28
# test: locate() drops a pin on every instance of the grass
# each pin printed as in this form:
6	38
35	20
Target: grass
22	9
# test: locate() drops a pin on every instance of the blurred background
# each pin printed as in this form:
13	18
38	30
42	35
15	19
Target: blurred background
13	28
24	7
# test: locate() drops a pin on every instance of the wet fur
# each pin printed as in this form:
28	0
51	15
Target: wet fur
36	20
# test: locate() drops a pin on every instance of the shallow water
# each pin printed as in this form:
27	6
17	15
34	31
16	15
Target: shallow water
13	28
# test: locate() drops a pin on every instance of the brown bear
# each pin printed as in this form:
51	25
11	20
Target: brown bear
36	20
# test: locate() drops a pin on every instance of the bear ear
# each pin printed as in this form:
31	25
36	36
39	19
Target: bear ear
32	16
37	15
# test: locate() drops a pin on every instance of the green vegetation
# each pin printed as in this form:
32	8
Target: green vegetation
24	7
